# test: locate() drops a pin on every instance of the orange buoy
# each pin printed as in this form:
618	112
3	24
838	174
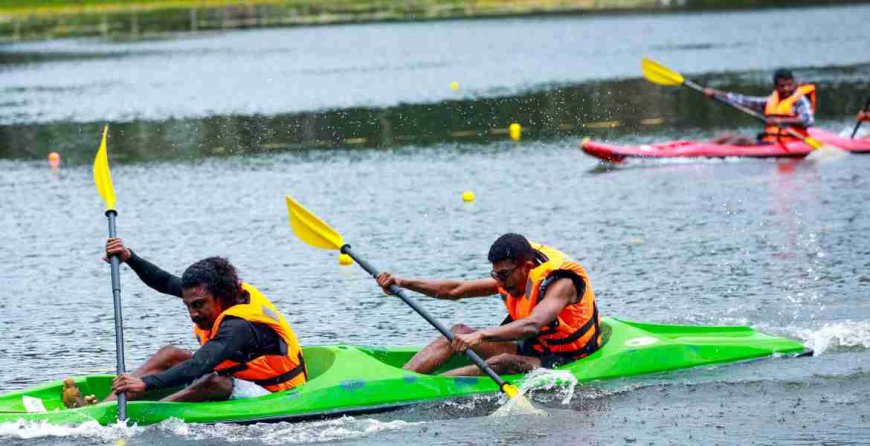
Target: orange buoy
54	160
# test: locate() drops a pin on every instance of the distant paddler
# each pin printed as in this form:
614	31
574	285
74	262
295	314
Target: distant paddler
790	106
552	315
247	348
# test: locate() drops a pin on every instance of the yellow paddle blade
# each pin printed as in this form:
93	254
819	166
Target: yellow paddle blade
310	228
813	142
517	403
660	74
102	176
510	390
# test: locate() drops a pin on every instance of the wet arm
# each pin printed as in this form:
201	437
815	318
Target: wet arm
559	294
155	277
233	336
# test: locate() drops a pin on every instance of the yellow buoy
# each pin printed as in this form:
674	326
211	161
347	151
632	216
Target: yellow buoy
344	259
54	160
468	196
454	86
515	131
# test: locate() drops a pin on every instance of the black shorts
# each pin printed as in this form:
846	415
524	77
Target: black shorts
548	360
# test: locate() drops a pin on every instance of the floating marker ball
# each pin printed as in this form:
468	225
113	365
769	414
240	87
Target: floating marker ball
54	160
454	86
515	131
344	259
468	196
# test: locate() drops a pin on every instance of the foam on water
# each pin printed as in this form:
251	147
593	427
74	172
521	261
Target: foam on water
285	433
848	335
549	385
267	433
827	154
543	385
90	430
846	132
468	404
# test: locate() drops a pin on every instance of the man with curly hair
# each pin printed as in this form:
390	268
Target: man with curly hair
247	348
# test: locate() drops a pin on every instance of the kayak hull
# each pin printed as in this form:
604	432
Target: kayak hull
350	379
704	149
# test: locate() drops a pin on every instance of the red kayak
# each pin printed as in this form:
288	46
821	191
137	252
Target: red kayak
695	149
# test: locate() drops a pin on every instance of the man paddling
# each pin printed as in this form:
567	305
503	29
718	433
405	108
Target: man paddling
247	349
553	318
790	106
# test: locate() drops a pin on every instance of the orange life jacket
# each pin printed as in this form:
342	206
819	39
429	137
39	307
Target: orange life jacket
784	108
272	372
575	332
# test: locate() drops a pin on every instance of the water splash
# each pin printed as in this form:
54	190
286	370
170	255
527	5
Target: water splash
539	385
266	433
90	430
848	335
518	405
826	154
285	433
470	404
548	385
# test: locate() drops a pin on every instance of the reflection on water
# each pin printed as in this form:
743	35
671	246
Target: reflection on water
612	109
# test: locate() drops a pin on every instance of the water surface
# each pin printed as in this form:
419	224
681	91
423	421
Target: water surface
776	245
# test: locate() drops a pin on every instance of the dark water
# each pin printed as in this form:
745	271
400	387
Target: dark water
780	246
606	109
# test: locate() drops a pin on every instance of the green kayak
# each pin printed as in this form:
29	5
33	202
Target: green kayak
349	380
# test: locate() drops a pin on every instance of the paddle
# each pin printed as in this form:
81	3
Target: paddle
315	232
103	181
858	124
662	75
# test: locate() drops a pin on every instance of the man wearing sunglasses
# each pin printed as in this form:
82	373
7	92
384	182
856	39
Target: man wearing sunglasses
552	316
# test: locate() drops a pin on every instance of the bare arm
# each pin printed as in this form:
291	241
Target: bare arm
559	294
441	289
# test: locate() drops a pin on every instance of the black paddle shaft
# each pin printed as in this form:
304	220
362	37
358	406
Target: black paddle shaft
472	356
115	262
858	124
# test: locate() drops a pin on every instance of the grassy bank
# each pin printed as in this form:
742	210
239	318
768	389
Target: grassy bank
41	19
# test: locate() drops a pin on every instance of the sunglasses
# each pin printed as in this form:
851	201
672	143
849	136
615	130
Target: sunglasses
502	275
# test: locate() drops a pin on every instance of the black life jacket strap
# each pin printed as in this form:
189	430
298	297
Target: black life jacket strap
591	324
284	377
229	371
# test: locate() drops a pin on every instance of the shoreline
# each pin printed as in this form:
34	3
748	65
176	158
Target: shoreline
30	20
